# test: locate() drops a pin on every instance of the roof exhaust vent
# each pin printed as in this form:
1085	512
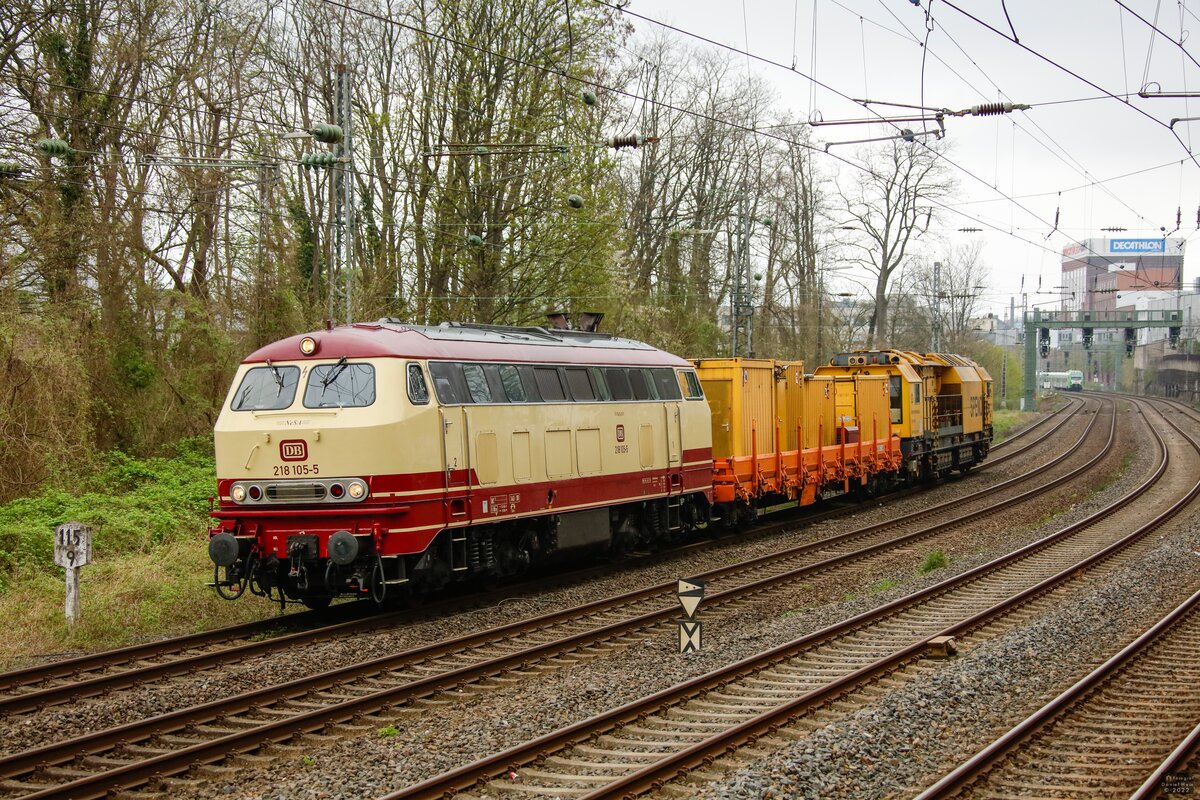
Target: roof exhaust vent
589	321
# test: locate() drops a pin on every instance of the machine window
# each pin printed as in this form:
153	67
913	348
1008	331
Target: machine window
916	392
549	384
641	387
690	385
581	385
418	392
896	398
512	384
477	386
666	384
447	382
598	381
340	385
618	383
529	384
499	394
266	388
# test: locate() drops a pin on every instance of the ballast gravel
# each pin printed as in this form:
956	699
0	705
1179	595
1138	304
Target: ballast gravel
914	735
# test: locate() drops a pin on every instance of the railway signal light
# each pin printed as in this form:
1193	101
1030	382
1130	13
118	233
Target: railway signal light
1130	341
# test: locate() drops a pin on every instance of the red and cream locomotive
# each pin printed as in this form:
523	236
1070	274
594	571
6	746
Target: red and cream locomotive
370	457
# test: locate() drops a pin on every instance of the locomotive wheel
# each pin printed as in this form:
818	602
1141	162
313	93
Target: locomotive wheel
317	602
377	583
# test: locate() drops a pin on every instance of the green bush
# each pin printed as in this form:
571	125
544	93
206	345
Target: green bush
132	504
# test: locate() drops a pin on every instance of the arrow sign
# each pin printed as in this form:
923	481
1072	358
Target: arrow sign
690	593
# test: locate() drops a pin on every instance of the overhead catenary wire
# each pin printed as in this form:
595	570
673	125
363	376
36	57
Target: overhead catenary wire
749	129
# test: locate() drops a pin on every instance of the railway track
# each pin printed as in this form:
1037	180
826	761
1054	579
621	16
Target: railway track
645	744
1119	731
99	673
132	754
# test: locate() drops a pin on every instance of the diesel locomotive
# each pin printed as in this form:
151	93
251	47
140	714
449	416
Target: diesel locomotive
376	458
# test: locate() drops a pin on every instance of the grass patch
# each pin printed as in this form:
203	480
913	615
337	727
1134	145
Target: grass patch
149	519
389	731
1005	421
934	559
884	585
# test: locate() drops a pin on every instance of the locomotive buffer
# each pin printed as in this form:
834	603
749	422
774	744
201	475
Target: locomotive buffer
690	593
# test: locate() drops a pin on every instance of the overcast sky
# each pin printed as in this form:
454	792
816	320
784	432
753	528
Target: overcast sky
1015	172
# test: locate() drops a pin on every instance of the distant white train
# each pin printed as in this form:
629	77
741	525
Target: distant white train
1071	381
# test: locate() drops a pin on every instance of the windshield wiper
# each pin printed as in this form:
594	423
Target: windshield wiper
334	371
240	403
278	377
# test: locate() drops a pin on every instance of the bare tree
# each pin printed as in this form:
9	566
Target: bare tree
953	299
890	206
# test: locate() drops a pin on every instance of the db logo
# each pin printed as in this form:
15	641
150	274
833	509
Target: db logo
620	433
293	450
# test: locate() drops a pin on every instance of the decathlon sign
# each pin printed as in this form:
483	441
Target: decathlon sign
1136	245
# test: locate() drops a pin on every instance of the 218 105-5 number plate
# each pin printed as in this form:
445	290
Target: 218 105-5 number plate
296	470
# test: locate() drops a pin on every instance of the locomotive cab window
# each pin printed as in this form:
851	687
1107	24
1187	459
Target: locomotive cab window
896	398
418	391
340	385
690	385
266	388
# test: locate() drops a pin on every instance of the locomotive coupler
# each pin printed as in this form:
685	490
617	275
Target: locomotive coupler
300	548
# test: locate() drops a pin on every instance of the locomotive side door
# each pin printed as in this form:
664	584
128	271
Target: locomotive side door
674	437
456	467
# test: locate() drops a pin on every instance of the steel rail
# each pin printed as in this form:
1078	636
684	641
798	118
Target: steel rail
655	775
1175	762
22	763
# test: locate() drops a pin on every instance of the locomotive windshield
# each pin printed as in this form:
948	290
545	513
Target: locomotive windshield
266	389
340	385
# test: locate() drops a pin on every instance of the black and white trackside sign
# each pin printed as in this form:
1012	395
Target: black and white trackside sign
72	549
690	593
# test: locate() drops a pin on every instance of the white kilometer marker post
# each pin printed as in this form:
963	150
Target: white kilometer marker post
72	549
690	593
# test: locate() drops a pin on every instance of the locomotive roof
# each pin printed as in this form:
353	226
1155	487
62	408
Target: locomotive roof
389	338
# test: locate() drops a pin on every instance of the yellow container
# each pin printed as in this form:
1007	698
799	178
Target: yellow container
741	396
820	405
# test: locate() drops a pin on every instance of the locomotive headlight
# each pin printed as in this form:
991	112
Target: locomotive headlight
308	346
238	493
357	490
